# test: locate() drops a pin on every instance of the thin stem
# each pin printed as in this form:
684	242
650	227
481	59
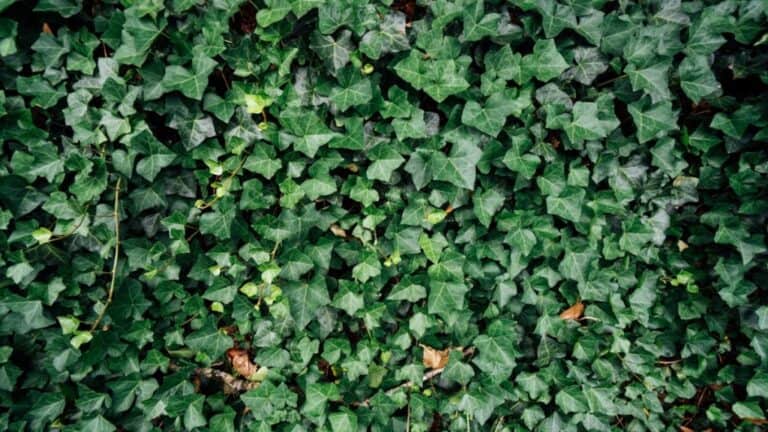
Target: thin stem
606	82
228	180
66	235
111	291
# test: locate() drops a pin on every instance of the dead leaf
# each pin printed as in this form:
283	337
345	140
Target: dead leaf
338	231
47	28
686	429
241	362
574	312
681	245
353	167
756	421
434	359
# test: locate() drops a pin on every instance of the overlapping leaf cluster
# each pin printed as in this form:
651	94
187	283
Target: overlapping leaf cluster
333	185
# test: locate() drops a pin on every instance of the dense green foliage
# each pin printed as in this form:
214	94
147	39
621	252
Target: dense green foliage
336	187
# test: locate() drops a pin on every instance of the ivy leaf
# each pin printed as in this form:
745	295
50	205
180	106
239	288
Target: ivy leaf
305	298
263	160
491	116
209	340
546	62
586	124
696	78
589	64
385	161
568	205
311	133
192	83
652	80
654	121
43	93
138	35
497	350
390	37
487	204
478	24
459	167
354	90
445	297
334	52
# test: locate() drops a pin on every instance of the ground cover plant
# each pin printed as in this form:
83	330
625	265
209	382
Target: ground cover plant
351	215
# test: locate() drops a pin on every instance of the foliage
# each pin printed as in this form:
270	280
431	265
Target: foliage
562	202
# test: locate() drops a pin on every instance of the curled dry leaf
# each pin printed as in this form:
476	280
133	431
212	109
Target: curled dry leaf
353	167
434	359
241	362
681	245
338	231
574	312
47	28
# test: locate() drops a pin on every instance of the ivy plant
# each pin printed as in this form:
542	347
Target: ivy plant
384	215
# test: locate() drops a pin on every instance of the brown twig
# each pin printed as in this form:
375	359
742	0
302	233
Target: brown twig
229	383
427	376
111	291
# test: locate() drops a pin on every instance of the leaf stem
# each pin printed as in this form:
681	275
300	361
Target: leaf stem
228	180
608	81
111	292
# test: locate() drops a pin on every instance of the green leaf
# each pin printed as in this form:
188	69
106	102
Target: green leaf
571	400
97	424
310	132
305	298
478	24
385	161
589	64
263	160
487	204
654	121
696	78
651	80
546	62
390	37
587	124
491	116
44	95
459	168
748	410
353	90
568	205
209	340
445	298
334	52
192	83
497	350
345	421
138	35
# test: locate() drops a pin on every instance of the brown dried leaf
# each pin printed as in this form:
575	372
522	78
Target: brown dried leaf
574	312
435	359
681	245
353	167
686	429
756	421
47	28
338	231
241	362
